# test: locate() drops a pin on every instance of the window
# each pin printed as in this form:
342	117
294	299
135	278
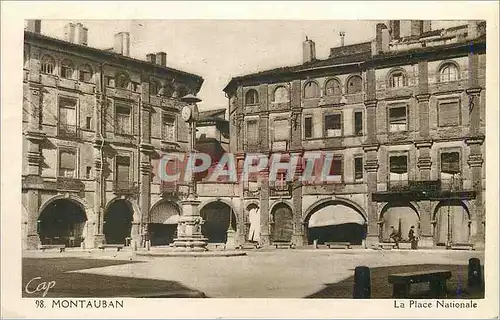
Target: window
358	168
252	132
122	81
448	113
88	123
398	168
397	79
450	163
333	88
153	88
122	172
67	69
397	119
88	172
85	73
281	183
448	72
251	97
67	163
109	81
168	132
311	90
281	94
123	121
67	116
358	123
333	125
281	130
336	169
308	127
48	65
354	85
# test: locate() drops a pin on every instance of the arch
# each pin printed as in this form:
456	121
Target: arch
354	84
209	201
85	73
282	222
337	200
311	90
122	80
452	222
48	64
399	215
333	87
252	202
62	220
218	217
135	207
414	205
251	97
447	71
397	78
281	201
118	219
163	218
81	202
67	69
280	94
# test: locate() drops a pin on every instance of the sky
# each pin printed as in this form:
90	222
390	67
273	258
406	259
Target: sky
218	50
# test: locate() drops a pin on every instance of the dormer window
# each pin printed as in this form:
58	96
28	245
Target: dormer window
448	72
251	97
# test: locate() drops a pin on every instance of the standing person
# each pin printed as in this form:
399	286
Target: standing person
394	236
412	237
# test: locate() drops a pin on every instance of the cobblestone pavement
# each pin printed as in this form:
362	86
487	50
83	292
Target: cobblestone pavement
267	274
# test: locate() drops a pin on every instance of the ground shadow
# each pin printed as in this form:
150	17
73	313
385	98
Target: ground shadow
382	289
79	285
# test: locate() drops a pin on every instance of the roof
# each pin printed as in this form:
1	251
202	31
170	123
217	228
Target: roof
106	53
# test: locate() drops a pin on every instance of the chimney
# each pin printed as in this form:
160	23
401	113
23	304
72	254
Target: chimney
308	50
122	43
395	29
342	35
34	26
69	32
416	27
382	39
161	59
81	34
151	57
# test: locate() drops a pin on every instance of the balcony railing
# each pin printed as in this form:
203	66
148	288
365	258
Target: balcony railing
68	131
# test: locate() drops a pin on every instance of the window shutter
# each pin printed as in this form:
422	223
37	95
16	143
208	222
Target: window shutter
450	162
281	130
449	113
68	160
398	164
397	115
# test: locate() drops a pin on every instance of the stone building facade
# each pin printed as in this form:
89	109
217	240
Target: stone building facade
93	122
403	114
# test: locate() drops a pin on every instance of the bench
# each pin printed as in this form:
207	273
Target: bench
118	247
248	246
338	245
462	246
387	245
44	247
283	245
436	278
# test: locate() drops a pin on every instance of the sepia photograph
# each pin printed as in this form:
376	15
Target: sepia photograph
319	159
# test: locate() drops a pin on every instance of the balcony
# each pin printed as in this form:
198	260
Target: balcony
69	184
68	131
125	187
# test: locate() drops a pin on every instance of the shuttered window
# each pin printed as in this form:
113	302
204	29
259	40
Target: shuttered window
450	162
358	123
122	171
308	127
358	168
281	130
123	120
333	125
252	132
311	90
67	163
397	119
449	113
